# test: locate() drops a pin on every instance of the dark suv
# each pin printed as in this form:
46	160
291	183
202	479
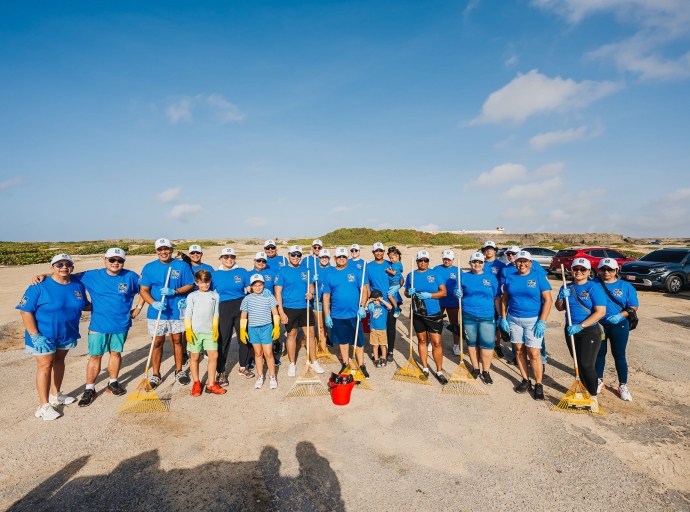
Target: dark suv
664	268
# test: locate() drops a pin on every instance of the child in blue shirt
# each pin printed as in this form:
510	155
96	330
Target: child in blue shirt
378	314
395	275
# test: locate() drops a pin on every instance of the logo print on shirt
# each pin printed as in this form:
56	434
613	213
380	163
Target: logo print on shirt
175	274
267	278
78	295
486	282
494	270
23	301
122	287
452	275
618	292
238	279
350	278
304	276
531	283
377	312
584	295
430	279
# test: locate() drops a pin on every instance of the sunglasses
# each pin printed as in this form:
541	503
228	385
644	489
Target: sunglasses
378	250
522	262
195	252
579	269
261	261
316	247
116	260
296	254
511	254
477	262
424	260
226	256
607	269
270	247
60	265
354	250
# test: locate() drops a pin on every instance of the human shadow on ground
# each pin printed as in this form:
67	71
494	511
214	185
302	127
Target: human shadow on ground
139	483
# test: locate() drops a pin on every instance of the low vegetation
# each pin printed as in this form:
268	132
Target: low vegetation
409	237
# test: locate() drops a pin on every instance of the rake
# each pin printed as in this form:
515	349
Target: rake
462	382
144	398
577	399
308	383
323	356
411	372
354	369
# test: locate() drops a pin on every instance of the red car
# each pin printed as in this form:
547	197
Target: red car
593	254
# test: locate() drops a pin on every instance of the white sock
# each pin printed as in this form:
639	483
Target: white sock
425	369
111	381
92	387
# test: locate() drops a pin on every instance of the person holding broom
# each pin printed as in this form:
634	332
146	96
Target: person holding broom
450	304
587	302
428	288
495	266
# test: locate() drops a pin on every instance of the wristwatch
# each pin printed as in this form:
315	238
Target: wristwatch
138	306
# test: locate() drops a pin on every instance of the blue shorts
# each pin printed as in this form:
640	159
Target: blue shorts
479	331
343	332
522	331
261	335
54	347
100	343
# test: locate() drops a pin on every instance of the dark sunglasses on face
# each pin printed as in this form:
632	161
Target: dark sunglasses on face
116	260
607	269
511	254
477	262
195	252
296	254
423	260
316	247
580	269
354	250
226	256
270	247
66	265
522	262
261	261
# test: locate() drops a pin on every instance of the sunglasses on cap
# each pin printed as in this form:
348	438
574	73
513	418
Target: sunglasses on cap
116	260
261	261
66	265
195	252
270	247
296	254
579	269
423	260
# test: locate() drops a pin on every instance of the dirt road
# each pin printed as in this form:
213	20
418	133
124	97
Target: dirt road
398	447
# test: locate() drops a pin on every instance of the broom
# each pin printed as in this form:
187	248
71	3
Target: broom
577	399
411	372
322	353
462	382
354	369
144	398
307	384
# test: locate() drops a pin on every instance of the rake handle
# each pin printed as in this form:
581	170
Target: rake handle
307	335
457	279
570	322
411	310
155	330
316	295
361	292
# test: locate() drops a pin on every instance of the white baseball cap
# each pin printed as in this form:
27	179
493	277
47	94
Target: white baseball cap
378	246
227	251
341	251
115	251
448	255
523	255
256	277
269	242
477	256
60	257
163	242
489	243
260	256
317	242
324	253
355	246
195	248
608	262
513	248
295	248
581	262
423	254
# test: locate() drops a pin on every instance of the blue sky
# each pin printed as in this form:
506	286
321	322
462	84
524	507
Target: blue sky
296	118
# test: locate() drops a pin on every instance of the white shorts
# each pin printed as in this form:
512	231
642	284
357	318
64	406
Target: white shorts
166	327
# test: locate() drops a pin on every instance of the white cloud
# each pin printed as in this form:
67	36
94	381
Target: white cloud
428	227
471	5
552	169
499	175
226	110
534	93
635	55
543	140
181	109
532	191
343	209
185	212
505	143
682	194
216	104
256	222
169	195
510	61
12	182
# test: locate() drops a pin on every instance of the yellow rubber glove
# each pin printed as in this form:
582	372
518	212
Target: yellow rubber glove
244	337
276	327
215	328
188	329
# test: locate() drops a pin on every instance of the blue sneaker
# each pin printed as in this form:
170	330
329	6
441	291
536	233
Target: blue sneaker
276	361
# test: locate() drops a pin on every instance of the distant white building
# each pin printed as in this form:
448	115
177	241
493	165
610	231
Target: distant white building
498	231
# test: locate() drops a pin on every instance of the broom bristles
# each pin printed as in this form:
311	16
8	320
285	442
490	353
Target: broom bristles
462	383
411	373
577	400
308	384
361	381
142	400
325	357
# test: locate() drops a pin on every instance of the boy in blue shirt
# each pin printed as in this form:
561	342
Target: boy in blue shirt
378	316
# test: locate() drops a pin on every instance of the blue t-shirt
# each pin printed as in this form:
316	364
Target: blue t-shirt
378	315
428	281
512	269
276	262
230	284
57	309
310	262
525	293
359	264
111	297
395	280
153	275
494	267
478	293
196	268
269	278
449	277
295	286
590	294
623	292
323	275
344	285
376	277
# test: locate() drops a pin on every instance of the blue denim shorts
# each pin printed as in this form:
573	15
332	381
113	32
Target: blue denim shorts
521	331
53	348
479	331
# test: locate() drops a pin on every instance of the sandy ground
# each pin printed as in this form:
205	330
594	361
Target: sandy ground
398	447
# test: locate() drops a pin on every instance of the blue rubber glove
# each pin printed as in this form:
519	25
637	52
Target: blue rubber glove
328	321
40	343
423	295
158	306
539	329
370	307
615	319
410	291
266	293
315	278
503	324
167	292
563	294
573	329
182	304
361	312
458	293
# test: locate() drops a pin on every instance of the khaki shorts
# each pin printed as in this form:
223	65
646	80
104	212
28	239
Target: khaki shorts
378	338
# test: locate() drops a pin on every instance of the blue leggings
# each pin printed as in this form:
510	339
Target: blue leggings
617	335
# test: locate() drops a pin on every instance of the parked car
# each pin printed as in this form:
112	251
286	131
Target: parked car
541	255
593	254
668	269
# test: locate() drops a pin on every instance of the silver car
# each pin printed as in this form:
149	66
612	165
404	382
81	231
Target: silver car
541	255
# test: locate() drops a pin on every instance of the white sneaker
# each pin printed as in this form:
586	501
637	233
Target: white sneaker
624	393
273	383
456	350
429	347
47	413
61	399
292	370
317	367
259	382
594	405
600	385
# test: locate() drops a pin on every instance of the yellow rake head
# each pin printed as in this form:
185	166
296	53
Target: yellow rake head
462	383
577	400
142	400
308	384
411	373
361	381
323	356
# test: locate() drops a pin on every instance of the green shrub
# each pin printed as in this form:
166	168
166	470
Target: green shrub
632	254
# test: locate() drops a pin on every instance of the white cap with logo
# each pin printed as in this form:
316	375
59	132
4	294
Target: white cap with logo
256	277
317	242
115	252
513	248
489	243
59	257
448	255
324	253
355	246
608	262
341	251
268	242
477	256
227	251
163	242
581	262
295	248
195	248
423	254
260	256
378	246
523	255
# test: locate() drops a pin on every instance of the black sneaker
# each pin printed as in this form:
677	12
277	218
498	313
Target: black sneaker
383	361
389	357
475	373
499	351
364	370
329	343
155	381
425	371
525	385
538	392
182	378
115	389
345	366
441	378
222	379
185	360
486	378
377	363
87	398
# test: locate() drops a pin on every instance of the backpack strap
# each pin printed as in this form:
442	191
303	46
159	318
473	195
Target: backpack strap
610	295
574	294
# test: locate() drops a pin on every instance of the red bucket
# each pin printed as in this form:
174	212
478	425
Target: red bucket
340	393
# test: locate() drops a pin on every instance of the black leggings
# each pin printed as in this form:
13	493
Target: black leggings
229	320
587	344
391	331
